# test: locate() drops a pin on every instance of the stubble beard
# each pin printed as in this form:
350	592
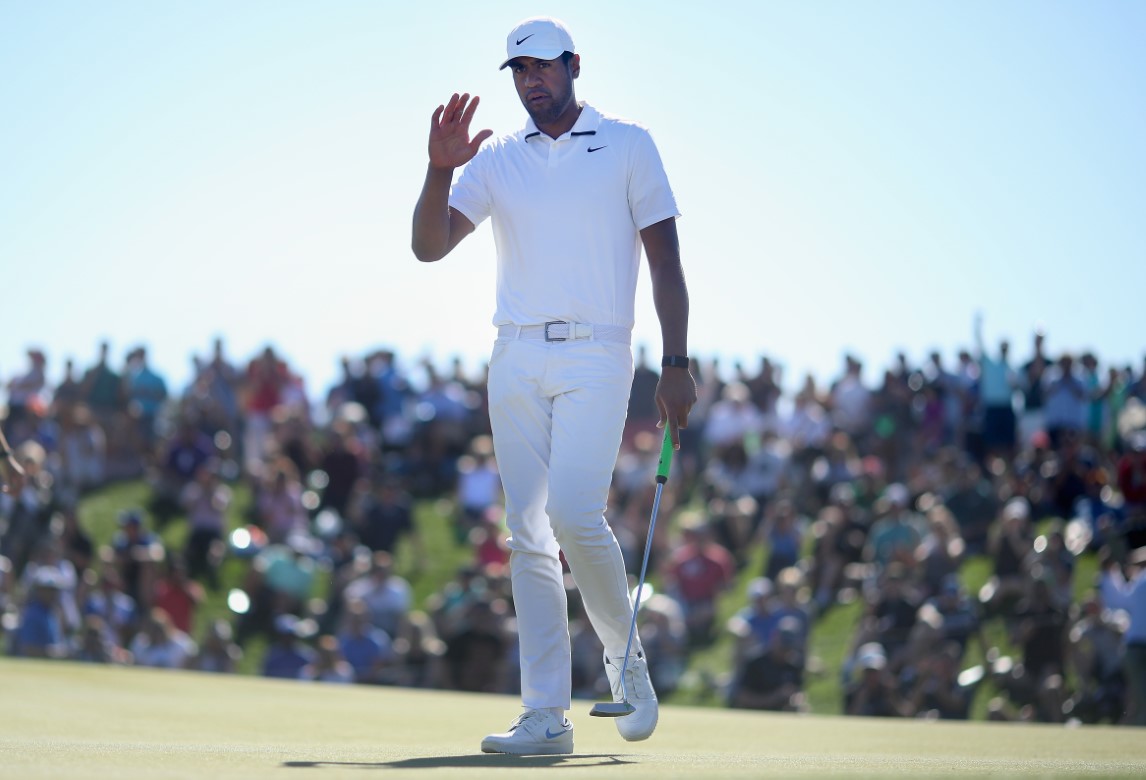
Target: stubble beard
558	103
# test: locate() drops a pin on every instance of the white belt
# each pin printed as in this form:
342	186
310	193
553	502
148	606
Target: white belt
560	330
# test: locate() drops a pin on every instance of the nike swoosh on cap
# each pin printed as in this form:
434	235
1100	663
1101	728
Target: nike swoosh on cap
526	38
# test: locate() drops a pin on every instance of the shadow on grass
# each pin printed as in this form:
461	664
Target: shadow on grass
484	760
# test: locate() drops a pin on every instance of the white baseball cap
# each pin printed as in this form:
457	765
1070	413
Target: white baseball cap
542	37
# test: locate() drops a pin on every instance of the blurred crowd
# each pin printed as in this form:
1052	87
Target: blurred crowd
879	495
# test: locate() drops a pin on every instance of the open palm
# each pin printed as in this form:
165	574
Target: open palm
450	142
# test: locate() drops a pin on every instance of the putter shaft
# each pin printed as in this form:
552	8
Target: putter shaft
607	711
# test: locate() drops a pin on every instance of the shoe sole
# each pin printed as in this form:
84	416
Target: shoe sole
538	750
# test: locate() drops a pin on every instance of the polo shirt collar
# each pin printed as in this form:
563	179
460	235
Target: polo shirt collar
586	124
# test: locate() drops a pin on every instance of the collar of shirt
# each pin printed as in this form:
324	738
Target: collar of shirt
586	124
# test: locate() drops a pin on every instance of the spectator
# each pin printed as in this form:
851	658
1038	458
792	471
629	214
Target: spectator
479	485
212	401
217	652
1128	592
699	571
1132	477
102	391
328	664
367	649
41	633
188	451
783	538
391	414
753	623
82	451
386	595
160	644
280	581
420	654
936	692
840	534
178	595
28	398
382	514
896	533
145	392
287	657
1032	380
850	401
792	602
263	390
138	553
772	676
48	558
206	501
1039	630
104	597
343	461
1097	655
874	692
1065	403
97	645
940	553
279	506
731	419
997	384
476	655
1009	547
954	616
490	542
971	499
892	610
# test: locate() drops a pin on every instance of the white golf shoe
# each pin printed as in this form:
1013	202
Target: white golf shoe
641	724
533	733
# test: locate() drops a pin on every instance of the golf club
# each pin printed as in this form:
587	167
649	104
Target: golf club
618	709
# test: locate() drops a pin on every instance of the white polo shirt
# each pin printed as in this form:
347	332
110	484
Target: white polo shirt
566	217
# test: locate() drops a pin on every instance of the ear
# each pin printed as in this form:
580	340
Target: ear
575	65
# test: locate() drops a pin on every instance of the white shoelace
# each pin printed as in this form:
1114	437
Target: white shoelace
526	716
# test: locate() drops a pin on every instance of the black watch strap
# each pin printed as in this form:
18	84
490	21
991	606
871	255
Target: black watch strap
674	361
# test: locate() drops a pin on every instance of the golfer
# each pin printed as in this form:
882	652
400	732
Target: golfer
572	196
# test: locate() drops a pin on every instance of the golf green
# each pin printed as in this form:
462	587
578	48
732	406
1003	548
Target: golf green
67	720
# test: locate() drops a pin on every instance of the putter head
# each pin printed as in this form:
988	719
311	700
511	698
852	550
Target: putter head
612	709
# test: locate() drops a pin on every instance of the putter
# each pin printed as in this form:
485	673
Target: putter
619	709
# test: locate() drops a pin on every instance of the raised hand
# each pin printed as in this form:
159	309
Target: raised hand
450	143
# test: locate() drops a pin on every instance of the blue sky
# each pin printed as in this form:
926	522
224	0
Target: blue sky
860	176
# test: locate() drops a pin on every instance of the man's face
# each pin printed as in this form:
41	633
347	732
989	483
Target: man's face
545	87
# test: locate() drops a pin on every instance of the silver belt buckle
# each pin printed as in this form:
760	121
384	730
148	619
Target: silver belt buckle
556	338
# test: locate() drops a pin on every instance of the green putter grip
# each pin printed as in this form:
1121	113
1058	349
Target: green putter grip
666	458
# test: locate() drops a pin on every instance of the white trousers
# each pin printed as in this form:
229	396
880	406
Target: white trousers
557	411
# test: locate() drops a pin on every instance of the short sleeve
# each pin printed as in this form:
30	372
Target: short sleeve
470	193
651	198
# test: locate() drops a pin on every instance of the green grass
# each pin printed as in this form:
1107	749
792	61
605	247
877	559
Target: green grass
70	720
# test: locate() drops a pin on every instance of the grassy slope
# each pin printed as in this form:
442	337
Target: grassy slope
830	637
